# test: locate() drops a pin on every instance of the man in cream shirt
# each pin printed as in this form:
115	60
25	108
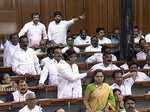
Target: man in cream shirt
106	64
24	60
57	29
34	30
31	104
20	94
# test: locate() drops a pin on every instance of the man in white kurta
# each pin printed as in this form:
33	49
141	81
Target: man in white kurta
100	34
49	70
24	60
124	85
34	30
137	75
70	42
83	38
57	29
66	78
98	57
9	49
20	94
106	64
31	105
94	47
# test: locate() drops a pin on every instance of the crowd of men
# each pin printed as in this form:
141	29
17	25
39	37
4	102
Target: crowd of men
60	65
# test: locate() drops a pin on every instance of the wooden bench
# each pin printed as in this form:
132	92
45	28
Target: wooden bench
72	105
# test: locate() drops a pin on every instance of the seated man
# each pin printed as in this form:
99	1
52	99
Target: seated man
20	94
129	104
137	34
137	75
143	53
83	38
70	42
106	64
94	47
100	34
24	60
124	85
147	65
115	38
97	57
60	110
7	83
10	48
31	105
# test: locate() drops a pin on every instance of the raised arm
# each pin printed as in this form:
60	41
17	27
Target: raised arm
82	17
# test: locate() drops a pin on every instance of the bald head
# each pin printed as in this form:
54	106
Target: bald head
60	110
30	96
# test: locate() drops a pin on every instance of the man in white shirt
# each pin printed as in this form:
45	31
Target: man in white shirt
129	104
20	94
57	29
49	69
137	34
31	104
65	76
106	64
24	60
10	48
138	76
100	33
34	30
94	47
147	37
83	38
147	65
143	53
121	83
70	42
97	57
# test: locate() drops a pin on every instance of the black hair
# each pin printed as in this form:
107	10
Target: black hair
126	98
57	13
94	74
34	14
50	52
13	34
68	53
132	63
141	40
81	30
98	29
70	36
94	37
116	89
116	72
22	37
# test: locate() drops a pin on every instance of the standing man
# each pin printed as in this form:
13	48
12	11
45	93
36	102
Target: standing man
57	29
34	30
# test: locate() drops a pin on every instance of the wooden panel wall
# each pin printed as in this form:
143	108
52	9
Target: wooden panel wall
104	13
142	14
